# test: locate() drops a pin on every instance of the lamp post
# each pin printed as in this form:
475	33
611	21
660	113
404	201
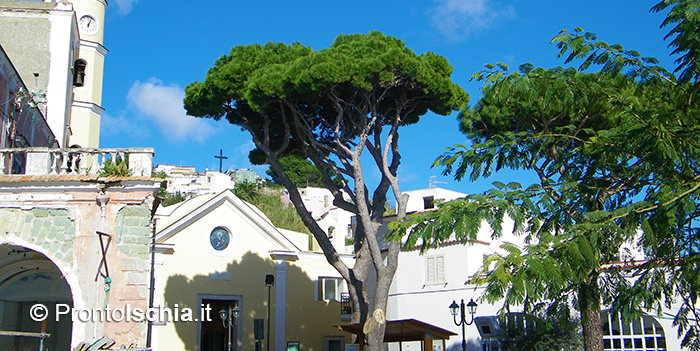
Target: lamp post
269	282
229	317
454	309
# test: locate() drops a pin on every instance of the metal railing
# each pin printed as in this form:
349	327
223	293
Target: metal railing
47	161
345	304
41	336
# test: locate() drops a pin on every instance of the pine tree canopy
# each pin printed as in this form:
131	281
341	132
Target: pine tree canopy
330	107
302	94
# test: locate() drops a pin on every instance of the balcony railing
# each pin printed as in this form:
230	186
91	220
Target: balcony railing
47	161
345	306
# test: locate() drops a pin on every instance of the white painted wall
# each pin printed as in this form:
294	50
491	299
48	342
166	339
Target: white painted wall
411	296
63	45
187	181
319	201
416	197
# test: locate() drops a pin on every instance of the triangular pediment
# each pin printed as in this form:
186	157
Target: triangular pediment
172	221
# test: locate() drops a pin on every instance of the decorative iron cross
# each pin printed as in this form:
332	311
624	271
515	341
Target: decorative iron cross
221	158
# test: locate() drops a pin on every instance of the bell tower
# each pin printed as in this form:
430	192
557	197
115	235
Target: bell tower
86	109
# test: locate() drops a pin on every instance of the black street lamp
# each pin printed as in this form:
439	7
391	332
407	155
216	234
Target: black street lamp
454	309
229	316
269	282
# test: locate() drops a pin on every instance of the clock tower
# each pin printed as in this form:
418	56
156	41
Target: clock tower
86	109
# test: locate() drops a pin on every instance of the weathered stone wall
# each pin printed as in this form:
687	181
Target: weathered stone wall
132	228
132	236
50	228
61	219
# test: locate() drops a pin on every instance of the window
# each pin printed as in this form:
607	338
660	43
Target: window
435	270
219	238
333	343
330	289
428	202
641	334
79	72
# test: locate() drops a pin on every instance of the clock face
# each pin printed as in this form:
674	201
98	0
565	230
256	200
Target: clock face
88	25
219	238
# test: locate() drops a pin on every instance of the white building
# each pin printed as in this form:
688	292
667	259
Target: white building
425	285
336	222
186	180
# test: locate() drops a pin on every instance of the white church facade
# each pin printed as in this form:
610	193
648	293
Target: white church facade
217	251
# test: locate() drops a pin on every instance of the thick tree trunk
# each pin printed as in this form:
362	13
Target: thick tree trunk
375	326
589	304
374	330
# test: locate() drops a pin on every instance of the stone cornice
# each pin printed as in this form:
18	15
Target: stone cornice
93	45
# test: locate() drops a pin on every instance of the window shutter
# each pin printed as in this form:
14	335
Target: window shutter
329	289
341	288
435	270
430	270
440	269
318	292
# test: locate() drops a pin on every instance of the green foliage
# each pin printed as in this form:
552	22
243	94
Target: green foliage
268	201
118	167
389	210
300	170
171	199
247	191
281	215
663	141
269	90
462	218
541	331
612	59
685	17
614	151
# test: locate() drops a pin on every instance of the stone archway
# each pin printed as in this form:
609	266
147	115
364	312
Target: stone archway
28	279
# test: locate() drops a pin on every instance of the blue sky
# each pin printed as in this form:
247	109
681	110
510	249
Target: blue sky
156	48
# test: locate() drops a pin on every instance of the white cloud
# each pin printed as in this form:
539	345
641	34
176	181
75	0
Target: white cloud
457	19
163	105
245	148
124	6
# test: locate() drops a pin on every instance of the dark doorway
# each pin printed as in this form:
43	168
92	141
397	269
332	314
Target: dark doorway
28	279
215	332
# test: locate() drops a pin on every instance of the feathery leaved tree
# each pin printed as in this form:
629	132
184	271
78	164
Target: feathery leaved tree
332	106
541	331
540	120
614	152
